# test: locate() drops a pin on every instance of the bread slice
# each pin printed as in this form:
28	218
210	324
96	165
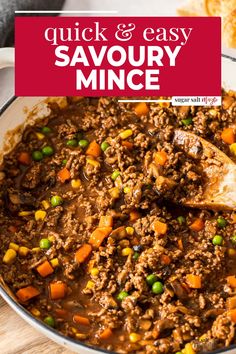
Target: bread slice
193	8
212	7
229	29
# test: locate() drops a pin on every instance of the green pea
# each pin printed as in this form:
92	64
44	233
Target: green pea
136	256
233	239
179	353
221	222
83	143
49	320
47	150
79	136
72	143
122	295
181	220
56	200
64	162
151	279
46	130
37	155
104	146
187	121
45	244
217	240
115	174
157	288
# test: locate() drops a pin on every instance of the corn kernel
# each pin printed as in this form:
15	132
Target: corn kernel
164	104
90	284
129	230
51	238
54	262
74	330
94	272
40	136
24	213
23	251
45	204
134	337
35	312
127	251
36	249
213	112
232	252
189	349
14	246
126	133
233	148
75	183
40	215
9	256
114	192
93	162
127	190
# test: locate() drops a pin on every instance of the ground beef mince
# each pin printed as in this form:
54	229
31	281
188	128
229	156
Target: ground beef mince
91	241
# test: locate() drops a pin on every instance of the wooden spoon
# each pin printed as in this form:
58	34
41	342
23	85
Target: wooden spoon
219	186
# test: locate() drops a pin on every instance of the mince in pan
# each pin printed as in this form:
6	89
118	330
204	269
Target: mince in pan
91	241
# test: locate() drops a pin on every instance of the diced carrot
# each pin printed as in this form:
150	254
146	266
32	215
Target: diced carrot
58	290
45	269
135	241
160	158
234	218
127	144
141	109
134	215
197	225
232	315
61	312
63	175
228	136
231	303
231	280
12	228
83	252
105	221
27	293
24	158
98	236
81	320
180	244
107	333
159	227
194	281
94	149
165	259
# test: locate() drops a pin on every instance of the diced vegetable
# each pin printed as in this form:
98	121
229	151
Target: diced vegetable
231	303
56	200
40	215
228	136
127	251
141	109
55	262
93	162
129	230
94	149
58	290
94	272
231	252
9	256
24	213
37	155
27	293
194	281
40	136
47	151
45	269
75	183
81	320
160	228
151	279
23	251
46	130
64	162
83	143
24	158
232	315
136	256
127	144
90	284
114	192
127	190
181	220
72	143
221	222
233	149
165	259
126	133
63	175
105	221
104	146
45	244
187	121
160	158
83	253
233	239
122	295
49	320
14	246
98	236
35	312
107	333
180	244
157	288
231	280
134	337
217	240
115	174
45	204
197	225
188	349
134	215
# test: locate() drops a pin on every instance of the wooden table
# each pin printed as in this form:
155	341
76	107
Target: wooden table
17	337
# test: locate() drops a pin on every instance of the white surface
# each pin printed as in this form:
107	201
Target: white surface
124	7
